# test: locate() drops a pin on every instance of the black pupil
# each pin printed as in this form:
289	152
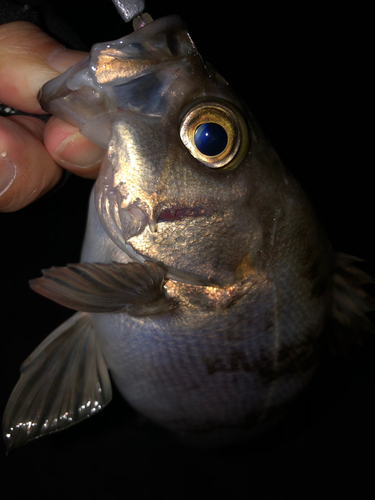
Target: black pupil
210	139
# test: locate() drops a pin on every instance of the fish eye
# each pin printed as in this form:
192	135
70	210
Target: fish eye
210	138
215	133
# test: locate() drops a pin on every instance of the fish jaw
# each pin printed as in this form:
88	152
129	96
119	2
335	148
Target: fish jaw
115	77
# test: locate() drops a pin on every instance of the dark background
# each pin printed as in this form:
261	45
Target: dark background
304	72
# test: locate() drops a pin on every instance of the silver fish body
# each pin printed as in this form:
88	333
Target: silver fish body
206	284
221	364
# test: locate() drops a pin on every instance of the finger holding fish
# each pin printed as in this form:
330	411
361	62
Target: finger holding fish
32	153
22	179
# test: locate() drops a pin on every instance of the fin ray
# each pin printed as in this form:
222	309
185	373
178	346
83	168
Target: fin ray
96	287
63	381
351	302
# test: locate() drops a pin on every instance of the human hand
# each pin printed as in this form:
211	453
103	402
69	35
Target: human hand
33	153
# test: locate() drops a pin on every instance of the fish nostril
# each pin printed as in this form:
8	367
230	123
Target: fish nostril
133	221
137	214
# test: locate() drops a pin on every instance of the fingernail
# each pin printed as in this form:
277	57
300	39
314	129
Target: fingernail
79	151
8	173
62	58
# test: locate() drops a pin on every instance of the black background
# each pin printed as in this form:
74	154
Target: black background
304	72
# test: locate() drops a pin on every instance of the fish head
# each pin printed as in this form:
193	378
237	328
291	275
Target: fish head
188	181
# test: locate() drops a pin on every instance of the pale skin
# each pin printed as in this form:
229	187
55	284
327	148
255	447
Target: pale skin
33	153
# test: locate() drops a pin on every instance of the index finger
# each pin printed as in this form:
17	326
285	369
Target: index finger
28	59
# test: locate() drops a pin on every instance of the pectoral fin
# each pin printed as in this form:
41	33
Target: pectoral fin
64	381
133	287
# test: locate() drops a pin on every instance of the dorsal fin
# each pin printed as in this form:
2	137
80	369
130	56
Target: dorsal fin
350	302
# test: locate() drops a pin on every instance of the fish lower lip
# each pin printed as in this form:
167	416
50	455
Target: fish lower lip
174	214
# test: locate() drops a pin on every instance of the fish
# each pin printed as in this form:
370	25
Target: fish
208	338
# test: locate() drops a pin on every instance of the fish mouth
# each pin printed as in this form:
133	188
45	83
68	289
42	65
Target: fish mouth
175	213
